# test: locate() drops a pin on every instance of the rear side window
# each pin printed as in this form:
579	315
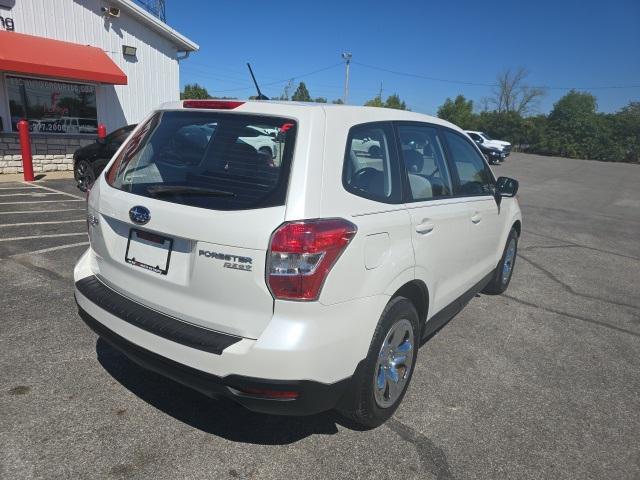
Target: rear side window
212	160
473	174
370	167
423	157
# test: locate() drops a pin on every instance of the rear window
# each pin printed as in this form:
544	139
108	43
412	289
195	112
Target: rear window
214	160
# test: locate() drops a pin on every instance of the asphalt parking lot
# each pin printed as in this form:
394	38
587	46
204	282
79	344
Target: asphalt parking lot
542	382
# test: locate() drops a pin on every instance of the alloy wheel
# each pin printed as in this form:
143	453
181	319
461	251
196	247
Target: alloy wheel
394	364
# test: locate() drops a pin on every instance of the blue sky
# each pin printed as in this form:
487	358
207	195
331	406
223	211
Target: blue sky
563	43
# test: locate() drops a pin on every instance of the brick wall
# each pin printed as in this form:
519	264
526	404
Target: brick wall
50	152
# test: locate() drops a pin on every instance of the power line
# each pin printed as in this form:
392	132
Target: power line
277	82
305	74
480	84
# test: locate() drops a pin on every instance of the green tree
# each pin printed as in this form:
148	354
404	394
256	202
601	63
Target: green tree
626	125
374	102
337	101
574	127
458	112
301	94
393	101
502	125
194	91
533	132
320	100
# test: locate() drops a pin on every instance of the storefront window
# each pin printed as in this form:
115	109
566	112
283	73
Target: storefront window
52	107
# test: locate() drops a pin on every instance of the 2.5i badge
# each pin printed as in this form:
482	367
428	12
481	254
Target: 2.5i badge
235	262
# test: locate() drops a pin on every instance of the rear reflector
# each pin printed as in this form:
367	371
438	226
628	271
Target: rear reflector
269	394
212	104
301	255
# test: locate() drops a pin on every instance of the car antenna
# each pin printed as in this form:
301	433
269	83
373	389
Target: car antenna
260	95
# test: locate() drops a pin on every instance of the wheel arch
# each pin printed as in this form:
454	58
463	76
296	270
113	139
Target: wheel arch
518	227
417	292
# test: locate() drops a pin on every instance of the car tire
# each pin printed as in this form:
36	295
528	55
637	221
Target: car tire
504	271
84	175
382	379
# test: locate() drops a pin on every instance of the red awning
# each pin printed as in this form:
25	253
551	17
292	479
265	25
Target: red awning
32	55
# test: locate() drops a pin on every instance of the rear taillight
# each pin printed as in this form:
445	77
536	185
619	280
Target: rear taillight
213	104
301	255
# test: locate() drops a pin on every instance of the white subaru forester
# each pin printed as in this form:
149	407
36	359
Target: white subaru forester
300	283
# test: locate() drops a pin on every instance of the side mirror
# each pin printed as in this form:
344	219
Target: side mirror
506	187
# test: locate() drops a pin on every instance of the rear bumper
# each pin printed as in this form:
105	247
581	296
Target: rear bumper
314	397
309	348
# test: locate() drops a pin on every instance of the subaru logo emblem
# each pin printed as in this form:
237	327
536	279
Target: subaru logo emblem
139	215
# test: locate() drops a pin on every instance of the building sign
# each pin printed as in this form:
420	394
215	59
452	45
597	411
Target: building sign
6	23
51	106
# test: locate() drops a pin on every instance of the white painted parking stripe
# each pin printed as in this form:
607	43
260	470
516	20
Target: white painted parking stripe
60	192
18	188
40	223
41	201
35	194
32	237
16	212
52	249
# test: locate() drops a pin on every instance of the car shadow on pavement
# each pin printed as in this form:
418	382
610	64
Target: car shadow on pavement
220	417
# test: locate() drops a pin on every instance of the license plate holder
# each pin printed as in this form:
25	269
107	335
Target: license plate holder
149	251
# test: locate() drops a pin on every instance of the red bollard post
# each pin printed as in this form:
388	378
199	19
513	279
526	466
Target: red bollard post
102	131
25	146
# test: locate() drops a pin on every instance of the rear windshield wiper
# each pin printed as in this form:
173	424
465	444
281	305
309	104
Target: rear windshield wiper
159	190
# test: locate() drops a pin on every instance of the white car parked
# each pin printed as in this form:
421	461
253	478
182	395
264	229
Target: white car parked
262	139
299	287
487	141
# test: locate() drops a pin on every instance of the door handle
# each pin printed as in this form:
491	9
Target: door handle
476	218
424	228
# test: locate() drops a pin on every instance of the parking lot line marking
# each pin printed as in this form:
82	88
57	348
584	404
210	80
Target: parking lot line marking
40	223
32	237
41	201
35	194
61	192
19	188
16	212
51	249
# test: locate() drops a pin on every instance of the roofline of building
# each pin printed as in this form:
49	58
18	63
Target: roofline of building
183	43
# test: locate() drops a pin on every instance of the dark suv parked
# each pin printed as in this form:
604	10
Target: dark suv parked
492	154
90	160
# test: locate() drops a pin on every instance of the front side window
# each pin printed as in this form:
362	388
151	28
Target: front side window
204	160
473	174
370	170
426	167
52	107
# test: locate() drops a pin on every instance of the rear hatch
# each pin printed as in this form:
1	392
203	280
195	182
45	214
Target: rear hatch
186	213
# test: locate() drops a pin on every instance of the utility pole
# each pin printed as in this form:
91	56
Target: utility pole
287	89
347	58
